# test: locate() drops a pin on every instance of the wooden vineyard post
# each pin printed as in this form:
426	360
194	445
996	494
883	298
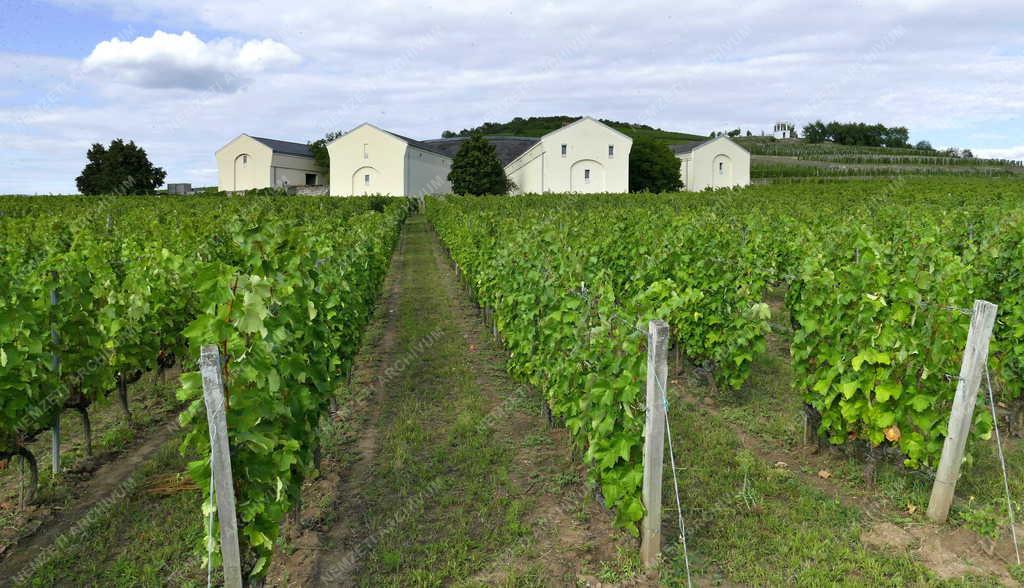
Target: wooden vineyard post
220	463
654	441
55	339
971	369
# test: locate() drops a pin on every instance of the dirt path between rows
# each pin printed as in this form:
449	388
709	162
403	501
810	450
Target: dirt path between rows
446	470
104	483
573	533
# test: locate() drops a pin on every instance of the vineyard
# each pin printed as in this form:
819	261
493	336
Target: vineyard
790	161
381	433
98	291
875	279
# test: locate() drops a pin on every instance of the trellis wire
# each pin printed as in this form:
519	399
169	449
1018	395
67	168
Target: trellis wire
668	432
675	479
1002	462
209	537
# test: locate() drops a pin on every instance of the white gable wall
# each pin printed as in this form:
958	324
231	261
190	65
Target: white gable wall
586	142
720	163
368	151
244	164
586	166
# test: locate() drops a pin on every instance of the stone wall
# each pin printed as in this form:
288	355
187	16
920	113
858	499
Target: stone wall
321	190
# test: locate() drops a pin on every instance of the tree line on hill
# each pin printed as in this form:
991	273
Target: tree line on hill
535	126
857	134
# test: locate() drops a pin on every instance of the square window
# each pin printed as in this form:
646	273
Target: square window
611	151
366	180
565	149
310	179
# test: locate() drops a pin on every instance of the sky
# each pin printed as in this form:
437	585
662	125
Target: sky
183	78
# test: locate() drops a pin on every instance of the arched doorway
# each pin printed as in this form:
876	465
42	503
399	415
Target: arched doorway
585	176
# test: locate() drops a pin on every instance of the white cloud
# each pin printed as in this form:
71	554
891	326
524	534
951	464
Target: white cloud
167	60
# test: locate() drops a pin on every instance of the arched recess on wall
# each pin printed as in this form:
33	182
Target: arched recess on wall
721	171
364	180
586	175
241	162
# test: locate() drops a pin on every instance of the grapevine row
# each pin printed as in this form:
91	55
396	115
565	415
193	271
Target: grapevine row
93	292
876	277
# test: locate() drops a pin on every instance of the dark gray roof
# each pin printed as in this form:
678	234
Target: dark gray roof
508	148
286	147
683	148
424	145
688	147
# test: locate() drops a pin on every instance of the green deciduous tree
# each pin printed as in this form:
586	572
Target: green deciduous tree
122	168
319	149
653	168
858	134
477	170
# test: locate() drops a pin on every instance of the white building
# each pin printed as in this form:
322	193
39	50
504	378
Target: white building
370	160
251	163
585	156
783	130
715	163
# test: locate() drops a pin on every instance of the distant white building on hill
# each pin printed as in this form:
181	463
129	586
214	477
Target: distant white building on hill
715	163
251	163
783	130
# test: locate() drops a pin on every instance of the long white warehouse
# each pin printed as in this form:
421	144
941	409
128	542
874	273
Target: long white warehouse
585	156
